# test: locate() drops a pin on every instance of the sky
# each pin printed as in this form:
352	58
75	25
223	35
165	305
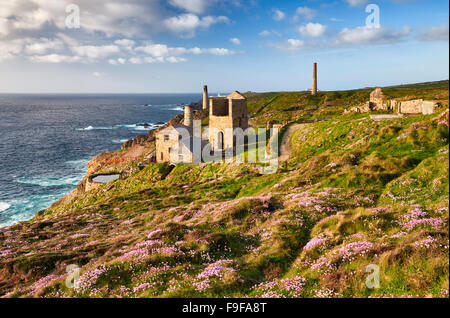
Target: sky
177	46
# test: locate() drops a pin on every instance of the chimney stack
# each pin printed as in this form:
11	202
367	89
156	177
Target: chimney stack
205	97
188	116
314	84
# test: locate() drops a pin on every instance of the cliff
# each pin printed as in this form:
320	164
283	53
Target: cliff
353	193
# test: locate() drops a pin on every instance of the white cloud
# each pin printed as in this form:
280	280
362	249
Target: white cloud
154	49
268	33
295	43
305	12
194	6
435	34
96	52
312	30
188	23
32	19
219	51
365	35
67	39
54	58
10	49
278	15
195	50
235	41
42	46
111	17
347	38
356	3
125	42
173	59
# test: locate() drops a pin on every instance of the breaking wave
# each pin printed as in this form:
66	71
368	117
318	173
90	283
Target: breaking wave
4	206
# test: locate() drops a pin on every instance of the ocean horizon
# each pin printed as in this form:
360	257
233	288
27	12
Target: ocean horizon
47	140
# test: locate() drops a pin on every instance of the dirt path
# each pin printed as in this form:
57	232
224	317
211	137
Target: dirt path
285	148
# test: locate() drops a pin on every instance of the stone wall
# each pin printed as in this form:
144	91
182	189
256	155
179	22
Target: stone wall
218	106
222	123
377	100
429	107
411	107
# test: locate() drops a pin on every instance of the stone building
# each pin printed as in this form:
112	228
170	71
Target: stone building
378	101
225	115
171	146
184	143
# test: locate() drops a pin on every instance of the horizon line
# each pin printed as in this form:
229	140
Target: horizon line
178	93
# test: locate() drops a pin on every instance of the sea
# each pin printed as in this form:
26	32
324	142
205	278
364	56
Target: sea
47	140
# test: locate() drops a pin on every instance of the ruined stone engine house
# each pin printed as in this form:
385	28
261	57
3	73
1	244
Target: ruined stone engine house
177	143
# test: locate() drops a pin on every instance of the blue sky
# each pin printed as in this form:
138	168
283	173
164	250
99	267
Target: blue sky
176	46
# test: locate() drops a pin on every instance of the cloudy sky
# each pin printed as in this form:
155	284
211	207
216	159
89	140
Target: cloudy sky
177	46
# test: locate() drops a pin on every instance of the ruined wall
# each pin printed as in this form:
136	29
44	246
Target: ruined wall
218	106
239	113
429	107
226	115
411	107
377	100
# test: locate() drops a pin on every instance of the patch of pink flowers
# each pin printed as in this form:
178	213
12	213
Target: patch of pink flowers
44	282
443	122
415	214
144	286
426	243
288	287
202	286
352	251
216	269
435	223
315	242
89	279
379	210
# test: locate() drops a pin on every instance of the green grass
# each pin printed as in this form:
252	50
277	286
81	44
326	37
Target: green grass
349	180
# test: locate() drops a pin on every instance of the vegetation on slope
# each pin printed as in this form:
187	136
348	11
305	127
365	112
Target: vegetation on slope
354	193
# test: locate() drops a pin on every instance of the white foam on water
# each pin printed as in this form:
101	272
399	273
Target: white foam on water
81	164
129	126
126	126
4	206
25	208
145	127
94	128
119	141
51	181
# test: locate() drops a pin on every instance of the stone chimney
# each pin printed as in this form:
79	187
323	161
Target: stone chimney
314	84
205	97
188	116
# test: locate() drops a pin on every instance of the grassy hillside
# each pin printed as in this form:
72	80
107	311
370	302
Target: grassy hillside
354	193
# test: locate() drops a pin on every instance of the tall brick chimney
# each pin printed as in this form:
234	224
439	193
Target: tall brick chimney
314	84
188	116
205	97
